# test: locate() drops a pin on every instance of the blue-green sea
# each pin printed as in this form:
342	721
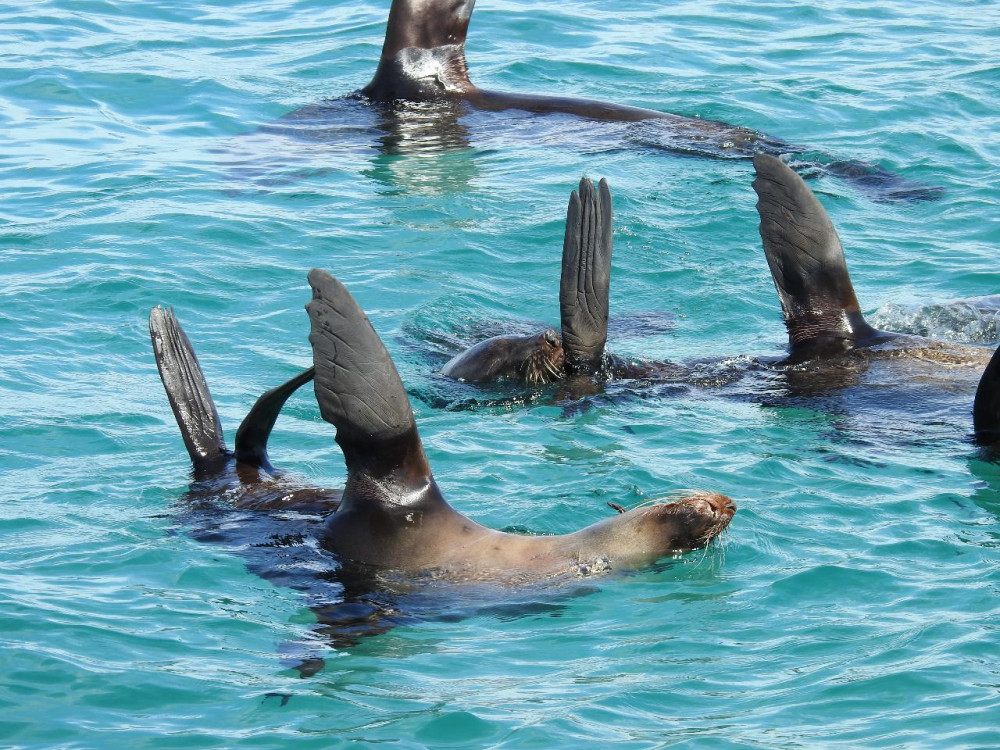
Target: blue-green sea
854	601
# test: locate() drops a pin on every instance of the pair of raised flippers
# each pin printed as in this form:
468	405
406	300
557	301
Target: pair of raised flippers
807	263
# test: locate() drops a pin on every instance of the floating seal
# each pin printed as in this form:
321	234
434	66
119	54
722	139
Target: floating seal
245	475
830	344
423	60
583	305
391	513
808	266
421	97
807	263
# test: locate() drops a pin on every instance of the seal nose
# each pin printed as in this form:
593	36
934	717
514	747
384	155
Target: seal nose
551	337
721	504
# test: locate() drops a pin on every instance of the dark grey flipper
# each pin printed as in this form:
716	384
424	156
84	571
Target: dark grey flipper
186	388
586	278
360	393
986	408
255	429
807	264
423	55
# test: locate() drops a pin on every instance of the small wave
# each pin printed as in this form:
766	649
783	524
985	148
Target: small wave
970	321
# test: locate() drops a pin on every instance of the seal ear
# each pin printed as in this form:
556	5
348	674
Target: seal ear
360	393
986	407
251	437
186	388
586	277
807	263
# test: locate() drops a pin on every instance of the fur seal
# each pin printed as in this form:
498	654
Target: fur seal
423	62
244	475
809	270
583	305
391	514
820	308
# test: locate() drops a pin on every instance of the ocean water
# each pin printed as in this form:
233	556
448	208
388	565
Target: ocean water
854	601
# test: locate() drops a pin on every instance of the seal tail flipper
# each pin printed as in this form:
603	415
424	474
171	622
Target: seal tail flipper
986	407
251	437
186	388
807	264
586	277
360	393
423	54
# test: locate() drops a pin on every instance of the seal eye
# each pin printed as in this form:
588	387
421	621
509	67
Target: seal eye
551	337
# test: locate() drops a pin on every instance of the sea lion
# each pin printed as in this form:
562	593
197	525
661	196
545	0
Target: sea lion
391	515
244	475
423	63
583	304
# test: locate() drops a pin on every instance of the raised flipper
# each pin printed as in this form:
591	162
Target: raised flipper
423	55
360	393
186	388
586	278
251	437
807	264
986	408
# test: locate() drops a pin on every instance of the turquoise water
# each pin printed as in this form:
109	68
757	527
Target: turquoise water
854	600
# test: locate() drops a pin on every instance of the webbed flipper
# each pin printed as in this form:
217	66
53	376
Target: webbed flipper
423	55
807	264
986	407
251	437
586	278
360	393
186	388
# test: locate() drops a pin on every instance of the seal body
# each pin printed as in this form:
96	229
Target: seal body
423	61
392	513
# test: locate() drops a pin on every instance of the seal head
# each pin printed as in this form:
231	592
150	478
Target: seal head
534	360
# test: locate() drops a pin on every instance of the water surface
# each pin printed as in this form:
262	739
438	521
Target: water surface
853	602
